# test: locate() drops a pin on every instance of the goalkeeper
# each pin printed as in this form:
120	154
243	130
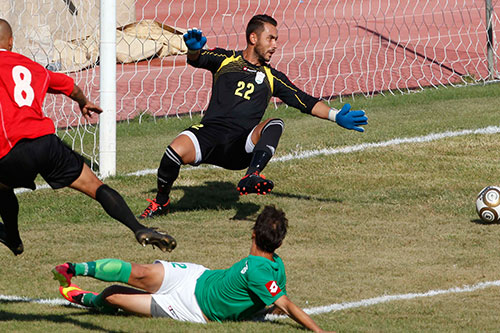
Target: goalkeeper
232	134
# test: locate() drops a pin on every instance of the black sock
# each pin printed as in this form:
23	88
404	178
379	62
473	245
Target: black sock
9	210
259	161
265	148
116	207
167	174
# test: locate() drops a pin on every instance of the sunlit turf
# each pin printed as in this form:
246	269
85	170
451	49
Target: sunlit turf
383	221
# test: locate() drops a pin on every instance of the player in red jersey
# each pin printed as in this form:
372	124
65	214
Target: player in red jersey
28	146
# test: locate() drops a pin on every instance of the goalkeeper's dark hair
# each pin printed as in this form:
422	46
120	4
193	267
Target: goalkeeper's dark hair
256	24
270	229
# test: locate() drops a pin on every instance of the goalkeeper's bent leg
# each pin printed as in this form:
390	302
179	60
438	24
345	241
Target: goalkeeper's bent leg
266	146
167	174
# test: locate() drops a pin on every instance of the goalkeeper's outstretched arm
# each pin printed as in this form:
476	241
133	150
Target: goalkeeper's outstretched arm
195	41
344	117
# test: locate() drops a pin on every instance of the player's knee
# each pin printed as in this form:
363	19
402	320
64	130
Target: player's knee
140	272
275	124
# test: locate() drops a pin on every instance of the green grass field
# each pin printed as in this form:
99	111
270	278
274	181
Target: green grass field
385	220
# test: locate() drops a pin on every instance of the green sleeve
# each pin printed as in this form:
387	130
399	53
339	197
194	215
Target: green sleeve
265	285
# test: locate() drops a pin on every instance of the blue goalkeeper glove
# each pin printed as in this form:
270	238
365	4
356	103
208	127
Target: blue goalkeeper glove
194	39
351	119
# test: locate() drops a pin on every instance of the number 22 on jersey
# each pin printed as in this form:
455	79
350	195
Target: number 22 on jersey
23	92
244	90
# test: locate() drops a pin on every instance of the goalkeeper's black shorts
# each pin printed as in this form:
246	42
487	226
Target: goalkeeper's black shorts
216	145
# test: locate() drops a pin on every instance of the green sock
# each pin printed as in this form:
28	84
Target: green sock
97	302
87	299
110	270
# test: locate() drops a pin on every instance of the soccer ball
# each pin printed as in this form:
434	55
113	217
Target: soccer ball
488	204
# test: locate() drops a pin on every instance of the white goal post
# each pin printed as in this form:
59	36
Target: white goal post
107	123
329	48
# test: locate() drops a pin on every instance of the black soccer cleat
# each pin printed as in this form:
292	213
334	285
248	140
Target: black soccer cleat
255	183
16	248
150	236
154	209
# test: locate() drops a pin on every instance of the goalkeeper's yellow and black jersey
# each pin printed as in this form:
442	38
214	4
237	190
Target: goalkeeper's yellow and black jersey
241	91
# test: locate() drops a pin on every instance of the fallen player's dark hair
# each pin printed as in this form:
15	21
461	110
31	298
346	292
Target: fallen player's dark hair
256	24
270	229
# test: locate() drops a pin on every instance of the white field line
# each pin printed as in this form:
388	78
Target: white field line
333	151
22	299
390	298
315	310
350	149
345	305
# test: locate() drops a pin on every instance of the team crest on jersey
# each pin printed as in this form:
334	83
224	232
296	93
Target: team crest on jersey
273	288
259	77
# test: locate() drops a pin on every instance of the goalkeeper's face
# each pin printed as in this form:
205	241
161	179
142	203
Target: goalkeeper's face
266	43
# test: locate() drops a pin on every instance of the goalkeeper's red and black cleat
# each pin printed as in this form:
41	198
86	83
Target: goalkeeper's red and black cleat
255	183
17	247
63	273
74	294
150	236
154	209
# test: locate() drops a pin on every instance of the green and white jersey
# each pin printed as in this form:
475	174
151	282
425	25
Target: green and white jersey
242	290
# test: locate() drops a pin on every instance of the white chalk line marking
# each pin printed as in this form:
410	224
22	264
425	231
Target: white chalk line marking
355	148
314	310
22	299
391	298
332	151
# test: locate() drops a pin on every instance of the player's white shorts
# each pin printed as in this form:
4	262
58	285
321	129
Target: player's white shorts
175	298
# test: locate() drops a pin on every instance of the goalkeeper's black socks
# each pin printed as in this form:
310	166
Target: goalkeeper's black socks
266	147
167	174
117	208
259	161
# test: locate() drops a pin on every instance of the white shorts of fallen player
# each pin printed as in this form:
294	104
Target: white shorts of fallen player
176	295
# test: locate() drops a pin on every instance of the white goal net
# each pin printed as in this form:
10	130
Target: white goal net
328	48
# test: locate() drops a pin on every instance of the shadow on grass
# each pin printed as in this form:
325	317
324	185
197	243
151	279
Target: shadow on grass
479	221
217	195
262	319
303	197
56	318
213	195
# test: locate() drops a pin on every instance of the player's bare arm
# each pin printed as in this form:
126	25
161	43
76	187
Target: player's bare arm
296	313
86	107
193	55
